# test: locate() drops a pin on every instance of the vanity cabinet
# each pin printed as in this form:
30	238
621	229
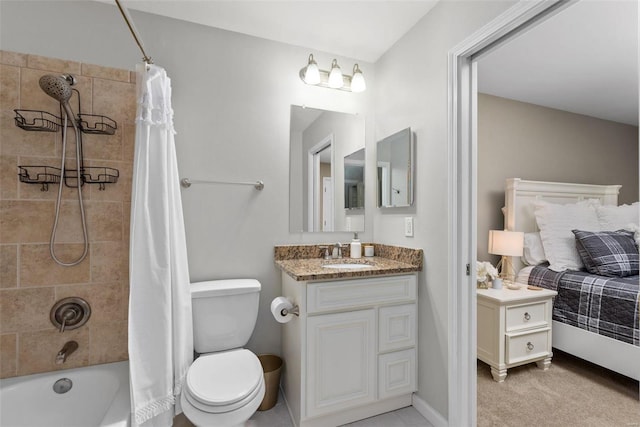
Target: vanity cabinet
351	354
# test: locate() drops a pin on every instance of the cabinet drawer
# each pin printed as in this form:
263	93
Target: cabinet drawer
350	294
397	327
528	346
396	373
527	316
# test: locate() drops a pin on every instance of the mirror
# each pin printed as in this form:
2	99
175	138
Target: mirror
322	147
354	180
395	166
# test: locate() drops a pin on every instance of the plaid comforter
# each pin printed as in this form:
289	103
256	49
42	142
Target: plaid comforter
605	305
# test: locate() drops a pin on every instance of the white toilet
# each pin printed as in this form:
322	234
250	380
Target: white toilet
225	385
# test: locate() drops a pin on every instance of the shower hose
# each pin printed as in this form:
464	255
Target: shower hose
59	199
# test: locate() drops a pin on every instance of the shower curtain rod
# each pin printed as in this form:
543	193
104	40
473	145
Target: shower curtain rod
127	18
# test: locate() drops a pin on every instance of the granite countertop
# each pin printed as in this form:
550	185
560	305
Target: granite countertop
392	260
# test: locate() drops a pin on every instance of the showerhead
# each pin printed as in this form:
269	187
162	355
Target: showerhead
57	87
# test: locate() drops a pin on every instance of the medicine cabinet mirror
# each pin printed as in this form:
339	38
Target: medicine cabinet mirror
395	170
322	146
354	180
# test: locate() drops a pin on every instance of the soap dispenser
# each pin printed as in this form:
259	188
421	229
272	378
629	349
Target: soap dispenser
355	250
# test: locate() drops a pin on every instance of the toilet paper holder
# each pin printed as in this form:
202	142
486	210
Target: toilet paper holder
295	310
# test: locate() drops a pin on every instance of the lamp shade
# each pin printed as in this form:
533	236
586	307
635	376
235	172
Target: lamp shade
335	76
312	72
506	243
357	81
312	76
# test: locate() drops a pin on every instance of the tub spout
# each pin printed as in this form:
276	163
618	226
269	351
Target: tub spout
68	348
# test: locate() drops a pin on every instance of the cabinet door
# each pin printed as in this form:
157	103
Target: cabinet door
341	353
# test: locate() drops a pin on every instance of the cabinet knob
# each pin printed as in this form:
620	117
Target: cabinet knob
527	316
529	346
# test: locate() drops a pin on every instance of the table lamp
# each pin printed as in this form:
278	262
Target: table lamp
507	244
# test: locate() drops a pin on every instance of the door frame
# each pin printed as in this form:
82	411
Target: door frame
462	139
327	219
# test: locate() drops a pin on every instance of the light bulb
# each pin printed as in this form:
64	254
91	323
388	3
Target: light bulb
312	72
357	81
335	76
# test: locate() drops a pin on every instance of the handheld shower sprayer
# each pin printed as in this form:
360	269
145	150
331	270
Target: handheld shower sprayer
59	88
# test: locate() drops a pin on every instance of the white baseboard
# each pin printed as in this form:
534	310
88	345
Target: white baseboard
286	403
433	416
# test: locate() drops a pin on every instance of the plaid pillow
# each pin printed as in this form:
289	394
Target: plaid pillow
608	253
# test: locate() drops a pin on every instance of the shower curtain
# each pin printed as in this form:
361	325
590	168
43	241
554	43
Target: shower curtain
160	324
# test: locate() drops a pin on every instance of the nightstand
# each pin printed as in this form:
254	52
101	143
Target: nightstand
514	328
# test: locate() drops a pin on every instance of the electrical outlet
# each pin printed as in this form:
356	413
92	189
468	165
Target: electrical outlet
408	226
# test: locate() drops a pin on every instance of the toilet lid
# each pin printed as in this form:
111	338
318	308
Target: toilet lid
224	378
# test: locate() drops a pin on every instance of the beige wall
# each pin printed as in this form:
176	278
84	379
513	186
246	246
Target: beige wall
30	282
527	141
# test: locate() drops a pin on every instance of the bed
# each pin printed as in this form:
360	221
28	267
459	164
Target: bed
603	342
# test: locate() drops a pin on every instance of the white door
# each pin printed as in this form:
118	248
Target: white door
341	361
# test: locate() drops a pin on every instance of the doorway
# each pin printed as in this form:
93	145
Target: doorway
463	198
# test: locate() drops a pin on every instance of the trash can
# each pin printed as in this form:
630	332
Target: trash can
271	366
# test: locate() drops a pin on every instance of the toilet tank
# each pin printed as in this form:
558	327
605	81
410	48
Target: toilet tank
224	313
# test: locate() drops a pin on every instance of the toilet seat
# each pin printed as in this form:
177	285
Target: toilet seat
223	382
232	418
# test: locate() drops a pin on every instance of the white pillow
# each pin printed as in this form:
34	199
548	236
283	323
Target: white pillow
523	275
533	253
635	229
556	222
614	218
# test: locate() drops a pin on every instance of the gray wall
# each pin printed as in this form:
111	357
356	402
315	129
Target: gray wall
527	141
411	90
231	95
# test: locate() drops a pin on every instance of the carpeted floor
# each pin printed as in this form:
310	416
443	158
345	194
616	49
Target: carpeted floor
571	393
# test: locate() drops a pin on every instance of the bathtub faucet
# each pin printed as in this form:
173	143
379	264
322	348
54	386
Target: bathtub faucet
68	348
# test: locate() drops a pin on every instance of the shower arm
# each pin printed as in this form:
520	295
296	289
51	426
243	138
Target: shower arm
127	18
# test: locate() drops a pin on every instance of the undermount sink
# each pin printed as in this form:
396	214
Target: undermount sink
346	266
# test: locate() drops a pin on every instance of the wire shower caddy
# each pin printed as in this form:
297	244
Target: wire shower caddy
43	121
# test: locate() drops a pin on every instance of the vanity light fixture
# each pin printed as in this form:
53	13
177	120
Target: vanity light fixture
334	78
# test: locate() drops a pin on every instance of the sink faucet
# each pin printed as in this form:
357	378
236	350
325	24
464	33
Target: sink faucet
337	250
68	348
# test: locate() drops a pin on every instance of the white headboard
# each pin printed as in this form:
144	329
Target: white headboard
520	195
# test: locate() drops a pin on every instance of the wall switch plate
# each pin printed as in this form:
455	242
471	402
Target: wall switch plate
408	226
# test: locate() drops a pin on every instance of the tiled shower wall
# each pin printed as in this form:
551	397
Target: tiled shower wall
30	281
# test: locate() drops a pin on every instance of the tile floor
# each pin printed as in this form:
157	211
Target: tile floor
278	416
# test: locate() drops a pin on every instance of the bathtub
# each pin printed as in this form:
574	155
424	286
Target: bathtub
99	396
